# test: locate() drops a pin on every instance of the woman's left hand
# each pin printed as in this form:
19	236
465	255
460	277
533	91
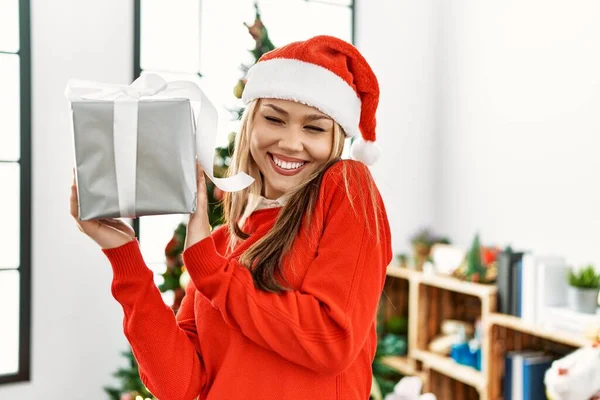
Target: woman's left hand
198	226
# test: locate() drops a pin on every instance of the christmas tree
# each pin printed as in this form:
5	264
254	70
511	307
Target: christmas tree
175	268
132	387
175	276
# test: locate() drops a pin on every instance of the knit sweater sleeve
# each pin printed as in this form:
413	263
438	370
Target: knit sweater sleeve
324	324
158	339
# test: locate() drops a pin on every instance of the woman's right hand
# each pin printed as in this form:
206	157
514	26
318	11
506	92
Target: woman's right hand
108	233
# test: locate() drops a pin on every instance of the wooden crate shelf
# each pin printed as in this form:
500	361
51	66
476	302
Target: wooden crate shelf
447	366
508	333
429	299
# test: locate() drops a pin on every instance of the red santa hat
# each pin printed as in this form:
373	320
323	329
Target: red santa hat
326	73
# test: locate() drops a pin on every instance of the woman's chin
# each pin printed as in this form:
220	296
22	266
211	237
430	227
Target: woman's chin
281	188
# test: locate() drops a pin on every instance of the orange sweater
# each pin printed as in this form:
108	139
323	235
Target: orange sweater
231	341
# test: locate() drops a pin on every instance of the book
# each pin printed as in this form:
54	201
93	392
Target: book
552	283
507	281
524	373
534	296
534	370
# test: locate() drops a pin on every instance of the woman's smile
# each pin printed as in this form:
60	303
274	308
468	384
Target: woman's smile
286	165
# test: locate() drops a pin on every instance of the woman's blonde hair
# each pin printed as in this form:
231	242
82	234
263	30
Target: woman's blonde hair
264	257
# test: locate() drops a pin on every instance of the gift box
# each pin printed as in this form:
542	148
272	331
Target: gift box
136	147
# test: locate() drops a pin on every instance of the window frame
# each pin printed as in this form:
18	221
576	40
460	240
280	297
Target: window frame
23	373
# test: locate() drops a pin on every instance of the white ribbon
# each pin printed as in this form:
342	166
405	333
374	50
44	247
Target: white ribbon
125	98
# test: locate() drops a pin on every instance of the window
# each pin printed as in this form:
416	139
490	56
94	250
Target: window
205	41
15	184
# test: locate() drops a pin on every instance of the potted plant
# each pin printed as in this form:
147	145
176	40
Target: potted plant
584	285
402	260
422	241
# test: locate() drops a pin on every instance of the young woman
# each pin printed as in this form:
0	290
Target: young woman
283	296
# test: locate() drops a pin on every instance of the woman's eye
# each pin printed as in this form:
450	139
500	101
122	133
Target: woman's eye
315	128
274	120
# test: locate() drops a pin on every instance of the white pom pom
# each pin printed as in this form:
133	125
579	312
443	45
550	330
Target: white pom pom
365	151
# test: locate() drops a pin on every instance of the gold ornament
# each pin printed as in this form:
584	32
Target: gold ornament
238	89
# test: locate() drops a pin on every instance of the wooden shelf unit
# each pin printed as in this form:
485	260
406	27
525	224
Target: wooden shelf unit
429	299
509	333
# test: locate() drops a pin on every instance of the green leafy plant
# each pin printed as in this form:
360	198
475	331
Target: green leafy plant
427	237
131	385
584	278
422	241
388	344
475	268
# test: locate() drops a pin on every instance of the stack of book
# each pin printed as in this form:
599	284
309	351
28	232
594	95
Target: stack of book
528	284
524	373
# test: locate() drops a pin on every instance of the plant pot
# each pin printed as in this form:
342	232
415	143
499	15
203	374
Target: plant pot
583	300
421	252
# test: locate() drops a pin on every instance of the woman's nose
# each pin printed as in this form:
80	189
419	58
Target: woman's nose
292	140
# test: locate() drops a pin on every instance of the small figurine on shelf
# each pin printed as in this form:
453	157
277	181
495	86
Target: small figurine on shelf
422	242
480	264
467	351
452	333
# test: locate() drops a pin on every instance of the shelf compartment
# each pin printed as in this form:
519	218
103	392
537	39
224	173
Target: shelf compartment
448	367
509	333
404	365
436	305
447	388
394	299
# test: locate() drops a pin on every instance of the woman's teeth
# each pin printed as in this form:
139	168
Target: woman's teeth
287	164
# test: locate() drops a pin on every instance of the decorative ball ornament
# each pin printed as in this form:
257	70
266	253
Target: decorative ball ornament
184	279
365	151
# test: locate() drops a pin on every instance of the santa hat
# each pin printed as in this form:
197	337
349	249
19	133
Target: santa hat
326	73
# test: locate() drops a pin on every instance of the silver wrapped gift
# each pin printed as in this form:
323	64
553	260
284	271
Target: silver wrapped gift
136	147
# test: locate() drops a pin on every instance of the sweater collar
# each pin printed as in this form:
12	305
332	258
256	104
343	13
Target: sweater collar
260	202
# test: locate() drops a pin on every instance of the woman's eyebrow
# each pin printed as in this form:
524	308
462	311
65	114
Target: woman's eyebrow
311	117
314	117
278	109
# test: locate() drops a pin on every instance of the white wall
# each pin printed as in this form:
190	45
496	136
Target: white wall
488	120
399	40
77	335
518	132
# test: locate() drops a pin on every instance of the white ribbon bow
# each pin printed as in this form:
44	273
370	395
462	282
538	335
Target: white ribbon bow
125	98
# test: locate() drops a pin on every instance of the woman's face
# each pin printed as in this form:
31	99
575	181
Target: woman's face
289	141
